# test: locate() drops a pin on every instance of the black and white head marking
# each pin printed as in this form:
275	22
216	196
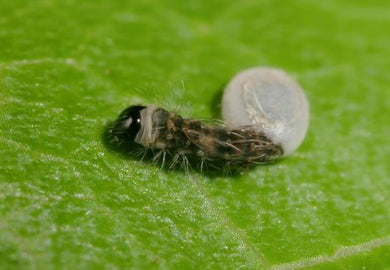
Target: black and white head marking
128	123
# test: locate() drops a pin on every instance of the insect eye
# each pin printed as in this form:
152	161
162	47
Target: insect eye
129	122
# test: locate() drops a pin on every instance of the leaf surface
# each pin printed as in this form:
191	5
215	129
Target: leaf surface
67	68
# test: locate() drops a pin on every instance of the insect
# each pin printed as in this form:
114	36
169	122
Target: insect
266	117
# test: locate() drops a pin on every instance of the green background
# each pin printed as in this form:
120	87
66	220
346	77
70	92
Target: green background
67	68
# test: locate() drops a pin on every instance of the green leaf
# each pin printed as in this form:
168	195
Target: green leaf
67	68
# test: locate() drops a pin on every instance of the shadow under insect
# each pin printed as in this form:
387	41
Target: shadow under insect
215	104
120	143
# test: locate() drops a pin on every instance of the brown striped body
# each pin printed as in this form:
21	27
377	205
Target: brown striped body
195	140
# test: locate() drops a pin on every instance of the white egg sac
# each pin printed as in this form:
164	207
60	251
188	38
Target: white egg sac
269	101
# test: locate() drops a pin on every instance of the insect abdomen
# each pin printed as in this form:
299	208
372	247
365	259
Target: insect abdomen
236	147
214	144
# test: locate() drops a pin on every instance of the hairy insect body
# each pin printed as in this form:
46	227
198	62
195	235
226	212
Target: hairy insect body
266	115
191	139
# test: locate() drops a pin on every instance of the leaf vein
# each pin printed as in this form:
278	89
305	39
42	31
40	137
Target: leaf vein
341	253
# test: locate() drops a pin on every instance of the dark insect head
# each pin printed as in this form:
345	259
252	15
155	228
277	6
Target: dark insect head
128	123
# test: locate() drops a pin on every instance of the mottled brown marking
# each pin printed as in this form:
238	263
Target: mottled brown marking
216	144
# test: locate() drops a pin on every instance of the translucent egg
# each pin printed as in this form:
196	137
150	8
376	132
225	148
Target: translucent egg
269	101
